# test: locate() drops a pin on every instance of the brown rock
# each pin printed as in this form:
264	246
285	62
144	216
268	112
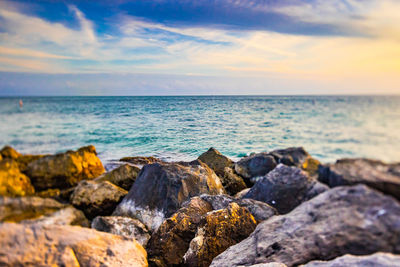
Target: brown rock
373	173
38	245
65	170
344	220
97	198
8	152
161	189
141	161
171	240
123	176
123	226
222	229
216	161
232	182
12	181
65	216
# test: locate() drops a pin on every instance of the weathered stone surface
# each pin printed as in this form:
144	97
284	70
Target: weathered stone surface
8	152
171	240
123	226
216	161
242	193
18	209
38	245
64	170
373	173
260	210
232	182
344	220
141	161
123	176
12	181
255	165
222	229
271	264
380	259
161	188
285	188
66	216
62	195
97	198
292	156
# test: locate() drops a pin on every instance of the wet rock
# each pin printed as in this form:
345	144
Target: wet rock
39	245
222	229
64	170
344	220
141	161
18	209
124	176
12	181
373	173
285	187
161	188
123	226
255	165
380	259
97	198
171	240
66	216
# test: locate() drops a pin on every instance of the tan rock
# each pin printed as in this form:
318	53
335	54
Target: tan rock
8	152
123	176
12	181
97	198
66	169
222	229
141	161
65	216
38	245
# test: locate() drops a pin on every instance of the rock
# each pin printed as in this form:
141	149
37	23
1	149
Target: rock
292	156
8	152
141	161
171	240
97	198
12	181
161	188
25	208
373	173
255	165
241	193
285	188
222	229
232	182
64	170
62	195
123	226
378	260
271	264
65	216
123	176
216	161
344	220
39	245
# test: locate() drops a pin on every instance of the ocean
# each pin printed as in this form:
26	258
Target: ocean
182	127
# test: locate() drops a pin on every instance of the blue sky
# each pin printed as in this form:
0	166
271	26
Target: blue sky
199	47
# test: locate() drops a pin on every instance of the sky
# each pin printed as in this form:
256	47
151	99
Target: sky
203	47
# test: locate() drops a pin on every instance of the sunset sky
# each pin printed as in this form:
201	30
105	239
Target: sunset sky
199	47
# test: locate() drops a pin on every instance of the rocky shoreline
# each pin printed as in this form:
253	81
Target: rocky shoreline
278	208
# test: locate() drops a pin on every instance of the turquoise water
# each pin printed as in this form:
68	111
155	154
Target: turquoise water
181	128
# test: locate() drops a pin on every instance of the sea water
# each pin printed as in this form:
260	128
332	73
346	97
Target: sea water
183	127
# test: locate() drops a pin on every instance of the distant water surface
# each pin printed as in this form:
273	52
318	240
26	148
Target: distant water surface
181	128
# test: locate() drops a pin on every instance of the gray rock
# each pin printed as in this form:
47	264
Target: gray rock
375	260
285	188
65	216
255	165
123	226
374	173
124	176
344	220
161	189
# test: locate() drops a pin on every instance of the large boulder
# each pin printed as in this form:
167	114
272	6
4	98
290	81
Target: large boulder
223	167
39	245
344	220
40	210
97	198
66	169
285	188
12	181
374	173
255	165
379	259
124	176
221	229
170	242
8	152
123	226
161	188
